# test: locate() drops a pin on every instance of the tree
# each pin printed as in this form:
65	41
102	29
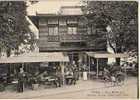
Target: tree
119	19
14	29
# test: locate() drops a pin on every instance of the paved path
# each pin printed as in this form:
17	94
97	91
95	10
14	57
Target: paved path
83	89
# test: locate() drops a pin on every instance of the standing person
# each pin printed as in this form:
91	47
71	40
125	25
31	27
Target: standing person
60	78
66	76
75	73
75	76
21	80
70	76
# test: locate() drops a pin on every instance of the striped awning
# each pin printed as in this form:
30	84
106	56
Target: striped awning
36	57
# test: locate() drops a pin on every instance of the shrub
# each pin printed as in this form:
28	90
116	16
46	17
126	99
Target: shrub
2	88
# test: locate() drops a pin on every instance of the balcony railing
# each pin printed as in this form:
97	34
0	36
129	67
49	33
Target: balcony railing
52	38
70	37
73	38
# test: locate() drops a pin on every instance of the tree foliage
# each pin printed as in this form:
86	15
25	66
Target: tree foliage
14	29
121	16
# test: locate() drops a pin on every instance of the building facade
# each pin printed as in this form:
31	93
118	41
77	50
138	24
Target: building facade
68	31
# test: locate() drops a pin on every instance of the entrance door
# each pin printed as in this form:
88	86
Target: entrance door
102	62
74	57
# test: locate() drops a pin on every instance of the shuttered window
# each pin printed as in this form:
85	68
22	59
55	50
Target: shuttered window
72	21
42	22
52	21
63	29
72	30
62	22
53	30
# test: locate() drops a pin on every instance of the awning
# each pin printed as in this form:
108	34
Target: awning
36	57
106	55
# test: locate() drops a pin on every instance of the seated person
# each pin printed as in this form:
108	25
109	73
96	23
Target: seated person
69	76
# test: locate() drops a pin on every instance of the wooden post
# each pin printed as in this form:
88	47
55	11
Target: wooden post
62	71
89	66
125	70
10	69
97	69
79	68
22	65
23	72
72	57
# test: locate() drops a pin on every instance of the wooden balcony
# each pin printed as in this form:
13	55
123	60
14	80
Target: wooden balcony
69	37
53	38
49	38
70	42
64	38
73	38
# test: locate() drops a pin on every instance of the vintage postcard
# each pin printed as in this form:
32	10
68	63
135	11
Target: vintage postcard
69	49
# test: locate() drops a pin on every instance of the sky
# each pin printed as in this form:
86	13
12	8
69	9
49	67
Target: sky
50	6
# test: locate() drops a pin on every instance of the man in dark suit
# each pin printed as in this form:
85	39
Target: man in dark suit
21	80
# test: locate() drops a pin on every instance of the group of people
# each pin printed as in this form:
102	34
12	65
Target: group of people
70	76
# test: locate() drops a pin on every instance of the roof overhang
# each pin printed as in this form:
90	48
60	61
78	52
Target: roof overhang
56	15
106	55
36	57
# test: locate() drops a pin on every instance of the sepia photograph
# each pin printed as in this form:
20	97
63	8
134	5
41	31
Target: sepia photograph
69	49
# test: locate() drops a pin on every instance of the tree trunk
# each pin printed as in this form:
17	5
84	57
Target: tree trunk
0	52
114	49
8	52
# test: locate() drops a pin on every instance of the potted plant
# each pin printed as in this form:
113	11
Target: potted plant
2	88
35	84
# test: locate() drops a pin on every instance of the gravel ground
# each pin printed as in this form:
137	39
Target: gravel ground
83	89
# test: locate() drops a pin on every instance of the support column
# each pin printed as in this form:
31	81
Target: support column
23	72
125	70
62	71
72	57
79	65
9	68
89	66
97	71
22	65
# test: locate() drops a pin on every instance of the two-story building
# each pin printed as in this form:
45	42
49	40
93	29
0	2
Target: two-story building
69	32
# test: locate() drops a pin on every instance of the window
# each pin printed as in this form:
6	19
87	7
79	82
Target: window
43	29
72	30
63	29
82	30
42	22
53	30
52	21
72	21
89	30
62	22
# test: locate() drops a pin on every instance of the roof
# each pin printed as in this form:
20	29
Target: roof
71	10
36	57
51	6
106	55
64	11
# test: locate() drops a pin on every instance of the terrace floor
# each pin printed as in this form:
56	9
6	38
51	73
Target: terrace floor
82	90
